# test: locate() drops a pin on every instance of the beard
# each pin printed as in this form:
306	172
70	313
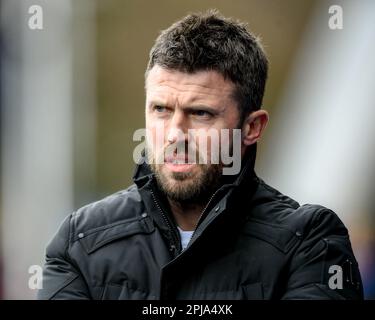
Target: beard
194	186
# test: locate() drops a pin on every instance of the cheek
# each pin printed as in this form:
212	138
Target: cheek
207	142
154	123
148	121
155	136
226	137
218	140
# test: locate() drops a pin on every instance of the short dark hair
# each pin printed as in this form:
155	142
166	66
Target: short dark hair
209	41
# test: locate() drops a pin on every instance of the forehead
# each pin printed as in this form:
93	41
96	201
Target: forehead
167	83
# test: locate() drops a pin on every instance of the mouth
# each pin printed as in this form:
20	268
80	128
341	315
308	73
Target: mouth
178	164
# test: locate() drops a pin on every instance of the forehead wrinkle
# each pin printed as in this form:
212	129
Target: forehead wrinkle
191	101
203	79
182	86
193	96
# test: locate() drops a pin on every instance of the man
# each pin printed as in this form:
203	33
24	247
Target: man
186	230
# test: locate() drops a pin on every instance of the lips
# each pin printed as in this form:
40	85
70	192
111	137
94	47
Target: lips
178	164
176	167
177	160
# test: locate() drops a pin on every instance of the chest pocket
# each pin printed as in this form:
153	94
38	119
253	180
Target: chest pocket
278	236
96	238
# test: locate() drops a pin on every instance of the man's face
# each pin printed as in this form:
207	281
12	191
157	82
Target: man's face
177	102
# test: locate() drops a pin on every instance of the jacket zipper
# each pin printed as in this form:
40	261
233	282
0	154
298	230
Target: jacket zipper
169	225
201	215
166	220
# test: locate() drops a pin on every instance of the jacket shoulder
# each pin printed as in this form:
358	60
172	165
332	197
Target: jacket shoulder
114	209
279	219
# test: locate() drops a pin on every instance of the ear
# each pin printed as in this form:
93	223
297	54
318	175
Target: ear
253	126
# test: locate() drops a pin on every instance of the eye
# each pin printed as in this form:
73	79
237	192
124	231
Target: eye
159	109
202	114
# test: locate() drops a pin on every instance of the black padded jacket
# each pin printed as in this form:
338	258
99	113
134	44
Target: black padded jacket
252	242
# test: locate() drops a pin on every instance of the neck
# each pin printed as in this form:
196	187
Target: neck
186	214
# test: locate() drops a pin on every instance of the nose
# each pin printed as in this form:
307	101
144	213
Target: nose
177	128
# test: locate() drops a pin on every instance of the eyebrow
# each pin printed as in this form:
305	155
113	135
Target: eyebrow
156	103
211	110
191	108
